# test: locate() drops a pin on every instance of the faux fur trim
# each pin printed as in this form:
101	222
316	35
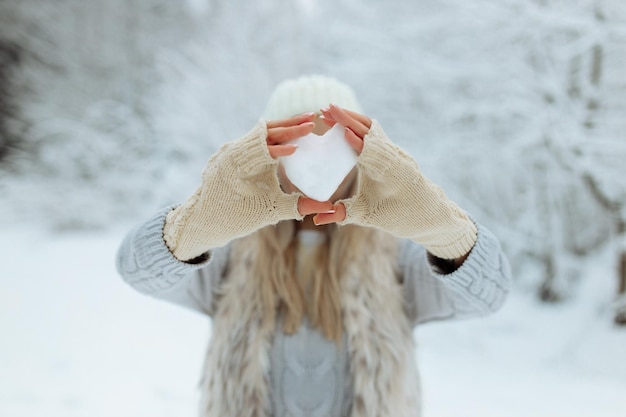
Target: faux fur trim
235	380
381	346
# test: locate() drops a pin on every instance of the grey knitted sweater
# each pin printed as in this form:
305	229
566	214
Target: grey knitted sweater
310	376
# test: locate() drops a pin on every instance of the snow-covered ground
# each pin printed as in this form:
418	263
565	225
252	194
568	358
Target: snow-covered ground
76	341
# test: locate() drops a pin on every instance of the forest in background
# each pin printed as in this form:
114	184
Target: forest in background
517	108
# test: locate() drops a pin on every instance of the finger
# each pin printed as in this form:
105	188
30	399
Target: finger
328	218
327	121
277	135
326	112
360	117
308	206
281	150
354	141
291	121
342	117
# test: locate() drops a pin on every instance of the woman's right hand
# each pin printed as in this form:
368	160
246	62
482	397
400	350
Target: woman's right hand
281	131
240	191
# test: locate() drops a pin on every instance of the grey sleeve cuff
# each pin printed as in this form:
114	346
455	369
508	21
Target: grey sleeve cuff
145	262
481	284
478	287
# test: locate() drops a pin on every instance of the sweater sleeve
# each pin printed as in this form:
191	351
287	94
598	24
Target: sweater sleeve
476	288
146	264
394	195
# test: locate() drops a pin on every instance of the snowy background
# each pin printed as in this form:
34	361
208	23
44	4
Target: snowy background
109	111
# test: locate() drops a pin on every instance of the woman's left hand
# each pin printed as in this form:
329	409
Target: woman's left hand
393	195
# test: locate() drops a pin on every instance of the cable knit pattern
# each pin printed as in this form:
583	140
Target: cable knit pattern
476	288
483	280
310	374
240	193
394	196
147	264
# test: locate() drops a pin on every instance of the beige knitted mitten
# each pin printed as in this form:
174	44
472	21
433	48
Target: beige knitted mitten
394	196
240	193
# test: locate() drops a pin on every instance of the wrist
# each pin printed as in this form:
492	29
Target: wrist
445	266
453	239
249	155
379	153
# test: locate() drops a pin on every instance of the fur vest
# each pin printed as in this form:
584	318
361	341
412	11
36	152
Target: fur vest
380	343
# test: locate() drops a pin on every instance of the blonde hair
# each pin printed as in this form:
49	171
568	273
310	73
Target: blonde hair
282	292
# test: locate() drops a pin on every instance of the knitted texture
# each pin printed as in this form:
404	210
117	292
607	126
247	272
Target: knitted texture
309	93
146	262
478	287
240	193
310	375
394	196
239	367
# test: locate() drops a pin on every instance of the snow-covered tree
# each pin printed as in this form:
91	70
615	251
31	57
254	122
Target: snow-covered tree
515	107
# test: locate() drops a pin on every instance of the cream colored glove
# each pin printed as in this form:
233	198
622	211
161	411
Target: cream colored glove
240	193
394	196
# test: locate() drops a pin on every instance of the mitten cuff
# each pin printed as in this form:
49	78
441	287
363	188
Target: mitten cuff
378	150
250	154
154	255
240	193
455	240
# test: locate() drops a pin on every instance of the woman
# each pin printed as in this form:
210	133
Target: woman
313	303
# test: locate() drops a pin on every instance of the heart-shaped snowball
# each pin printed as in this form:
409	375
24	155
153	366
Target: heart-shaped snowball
320	163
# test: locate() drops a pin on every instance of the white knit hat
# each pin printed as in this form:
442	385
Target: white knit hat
309	93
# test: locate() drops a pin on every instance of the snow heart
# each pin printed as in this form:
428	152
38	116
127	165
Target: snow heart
320	163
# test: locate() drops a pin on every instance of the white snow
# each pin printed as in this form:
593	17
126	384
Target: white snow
77	341
320	163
